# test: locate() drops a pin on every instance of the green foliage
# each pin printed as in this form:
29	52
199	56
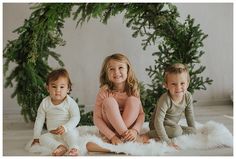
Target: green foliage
149	20
148	98
156	23
86	118
30	52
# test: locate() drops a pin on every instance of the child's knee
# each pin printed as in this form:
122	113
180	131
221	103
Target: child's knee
133	103
152	134
175	132
43	137
189	130
46	138
133	100
109	102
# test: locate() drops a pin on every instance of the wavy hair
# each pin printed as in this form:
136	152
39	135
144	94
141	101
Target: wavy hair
131	85
55	74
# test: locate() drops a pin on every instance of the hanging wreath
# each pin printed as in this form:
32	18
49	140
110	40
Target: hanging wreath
41	33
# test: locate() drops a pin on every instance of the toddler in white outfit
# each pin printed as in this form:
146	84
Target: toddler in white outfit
62	115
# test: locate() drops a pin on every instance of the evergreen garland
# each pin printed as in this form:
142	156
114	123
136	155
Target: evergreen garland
41	33
30	52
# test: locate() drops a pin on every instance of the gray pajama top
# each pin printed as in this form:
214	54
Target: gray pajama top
167	113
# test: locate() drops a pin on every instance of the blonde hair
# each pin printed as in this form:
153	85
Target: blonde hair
176	68
55	74
131	85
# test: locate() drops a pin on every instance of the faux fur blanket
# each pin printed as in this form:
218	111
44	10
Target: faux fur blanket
209	135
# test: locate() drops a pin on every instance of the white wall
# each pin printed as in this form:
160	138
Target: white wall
88	45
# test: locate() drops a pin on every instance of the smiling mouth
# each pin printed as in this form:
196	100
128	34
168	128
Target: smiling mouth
179	92
117	77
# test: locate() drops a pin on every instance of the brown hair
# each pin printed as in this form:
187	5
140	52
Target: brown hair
55	74
131	86
176	68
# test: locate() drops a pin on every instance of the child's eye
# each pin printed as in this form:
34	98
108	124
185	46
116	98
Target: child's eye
121	67
62	86
182	83
54	87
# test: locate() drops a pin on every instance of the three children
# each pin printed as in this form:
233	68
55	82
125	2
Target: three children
118	112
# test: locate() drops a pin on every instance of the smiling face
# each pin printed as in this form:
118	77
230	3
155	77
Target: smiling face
177	85
58	90
117	73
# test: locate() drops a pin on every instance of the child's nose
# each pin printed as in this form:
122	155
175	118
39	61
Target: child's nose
58	89
117	71
178	87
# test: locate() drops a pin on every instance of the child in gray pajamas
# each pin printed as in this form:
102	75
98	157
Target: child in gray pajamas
62	115
171	105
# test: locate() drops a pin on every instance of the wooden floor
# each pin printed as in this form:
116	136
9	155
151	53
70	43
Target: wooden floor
16	132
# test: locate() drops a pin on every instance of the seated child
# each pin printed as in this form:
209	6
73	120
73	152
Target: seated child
62	115
171	105
118	112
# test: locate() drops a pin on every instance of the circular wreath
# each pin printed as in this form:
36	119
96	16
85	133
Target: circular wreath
42	32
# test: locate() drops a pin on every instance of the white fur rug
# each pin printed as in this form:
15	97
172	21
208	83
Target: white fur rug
209	135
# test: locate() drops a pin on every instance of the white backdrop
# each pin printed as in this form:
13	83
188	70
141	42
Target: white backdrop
88	45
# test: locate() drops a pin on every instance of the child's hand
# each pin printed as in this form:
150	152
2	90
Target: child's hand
35	141
174	146
130	135
58	131
115	140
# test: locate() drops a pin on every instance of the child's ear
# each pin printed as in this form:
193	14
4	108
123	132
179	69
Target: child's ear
47	87
165	86
187	84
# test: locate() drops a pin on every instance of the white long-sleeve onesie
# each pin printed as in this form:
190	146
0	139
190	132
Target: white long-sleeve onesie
66	114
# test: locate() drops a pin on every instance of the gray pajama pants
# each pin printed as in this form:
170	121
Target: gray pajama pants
173	131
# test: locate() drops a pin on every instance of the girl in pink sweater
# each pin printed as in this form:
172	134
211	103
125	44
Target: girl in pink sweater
118	112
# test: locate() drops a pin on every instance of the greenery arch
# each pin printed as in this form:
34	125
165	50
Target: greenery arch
156	22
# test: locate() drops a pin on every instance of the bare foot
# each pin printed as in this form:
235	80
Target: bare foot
116	140
59	151
143	139
93	147
73	152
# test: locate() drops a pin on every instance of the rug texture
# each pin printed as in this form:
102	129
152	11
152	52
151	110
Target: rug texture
209	135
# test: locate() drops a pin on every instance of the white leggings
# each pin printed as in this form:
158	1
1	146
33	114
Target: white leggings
70	138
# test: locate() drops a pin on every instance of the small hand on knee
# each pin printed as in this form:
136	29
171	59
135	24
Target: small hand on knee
58	131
